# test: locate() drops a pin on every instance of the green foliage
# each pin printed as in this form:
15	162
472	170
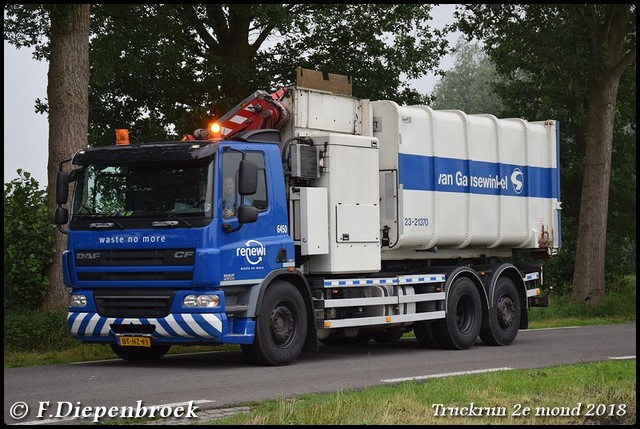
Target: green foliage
28	243
468	86
558	270
36	331
375	44
164	70
621	222
619	306
25	25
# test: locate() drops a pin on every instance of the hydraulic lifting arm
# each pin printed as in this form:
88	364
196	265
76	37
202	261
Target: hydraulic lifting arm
260	110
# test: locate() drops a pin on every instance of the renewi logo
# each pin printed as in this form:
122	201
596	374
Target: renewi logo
517	178
252	252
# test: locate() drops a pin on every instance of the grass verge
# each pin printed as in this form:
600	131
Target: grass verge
600	393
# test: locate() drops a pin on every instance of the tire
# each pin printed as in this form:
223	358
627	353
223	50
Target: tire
281	327
389	335
424	334
141	354
500	326
460	328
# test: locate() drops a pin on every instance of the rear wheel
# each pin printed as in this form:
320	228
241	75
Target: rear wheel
461	326
281	327
501	325
141	354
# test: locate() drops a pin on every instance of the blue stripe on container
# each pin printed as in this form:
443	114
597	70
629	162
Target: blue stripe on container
427	173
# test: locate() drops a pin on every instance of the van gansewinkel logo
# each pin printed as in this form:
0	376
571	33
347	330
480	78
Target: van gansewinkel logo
517	178
252	252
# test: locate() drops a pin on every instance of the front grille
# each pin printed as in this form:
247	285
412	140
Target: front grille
147	302
108	276
133	258
143	265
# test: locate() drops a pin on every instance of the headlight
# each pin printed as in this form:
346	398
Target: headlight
201	301
78	301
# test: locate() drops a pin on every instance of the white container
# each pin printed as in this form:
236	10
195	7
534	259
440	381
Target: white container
453	184
410	182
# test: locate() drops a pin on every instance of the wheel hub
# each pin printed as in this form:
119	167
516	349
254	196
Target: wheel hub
282	325
506	311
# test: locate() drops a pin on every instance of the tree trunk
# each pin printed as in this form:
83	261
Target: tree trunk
589	273
68	96
609	41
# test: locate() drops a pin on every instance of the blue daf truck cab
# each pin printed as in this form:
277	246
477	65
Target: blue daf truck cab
151	262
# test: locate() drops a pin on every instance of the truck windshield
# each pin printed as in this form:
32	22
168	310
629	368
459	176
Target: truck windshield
148	190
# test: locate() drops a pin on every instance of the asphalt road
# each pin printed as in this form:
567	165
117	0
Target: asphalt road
219	380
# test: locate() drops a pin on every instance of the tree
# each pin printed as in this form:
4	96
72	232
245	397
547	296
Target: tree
621	225
468	86
67	30
165	70
567	60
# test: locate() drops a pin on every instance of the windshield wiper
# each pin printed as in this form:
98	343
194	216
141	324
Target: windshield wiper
177	217
106	224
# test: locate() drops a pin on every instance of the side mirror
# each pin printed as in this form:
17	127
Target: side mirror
61	216
62	187
247	178
247	214
74	174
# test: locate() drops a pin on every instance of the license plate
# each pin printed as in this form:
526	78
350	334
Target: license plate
131	341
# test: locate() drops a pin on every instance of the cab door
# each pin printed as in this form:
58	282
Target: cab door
247	254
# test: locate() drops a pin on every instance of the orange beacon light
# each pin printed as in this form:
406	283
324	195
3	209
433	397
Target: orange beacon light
122	137
215	131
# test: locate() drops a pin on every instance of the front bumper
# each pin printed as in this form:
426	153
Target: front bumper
176	328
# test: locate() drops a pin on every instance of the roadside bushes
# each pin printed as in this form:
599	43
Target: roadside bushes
28	243
35	331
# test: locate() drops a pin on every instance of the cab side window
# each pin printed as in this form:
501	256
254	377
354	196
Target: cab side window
230	198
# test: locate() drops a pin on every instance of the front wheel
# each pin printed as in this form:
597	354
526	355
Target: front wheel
461	326
501	325
141	354
281	327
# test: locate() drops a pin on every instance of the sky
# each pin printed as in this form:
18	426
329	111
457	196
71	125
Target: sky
26	133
